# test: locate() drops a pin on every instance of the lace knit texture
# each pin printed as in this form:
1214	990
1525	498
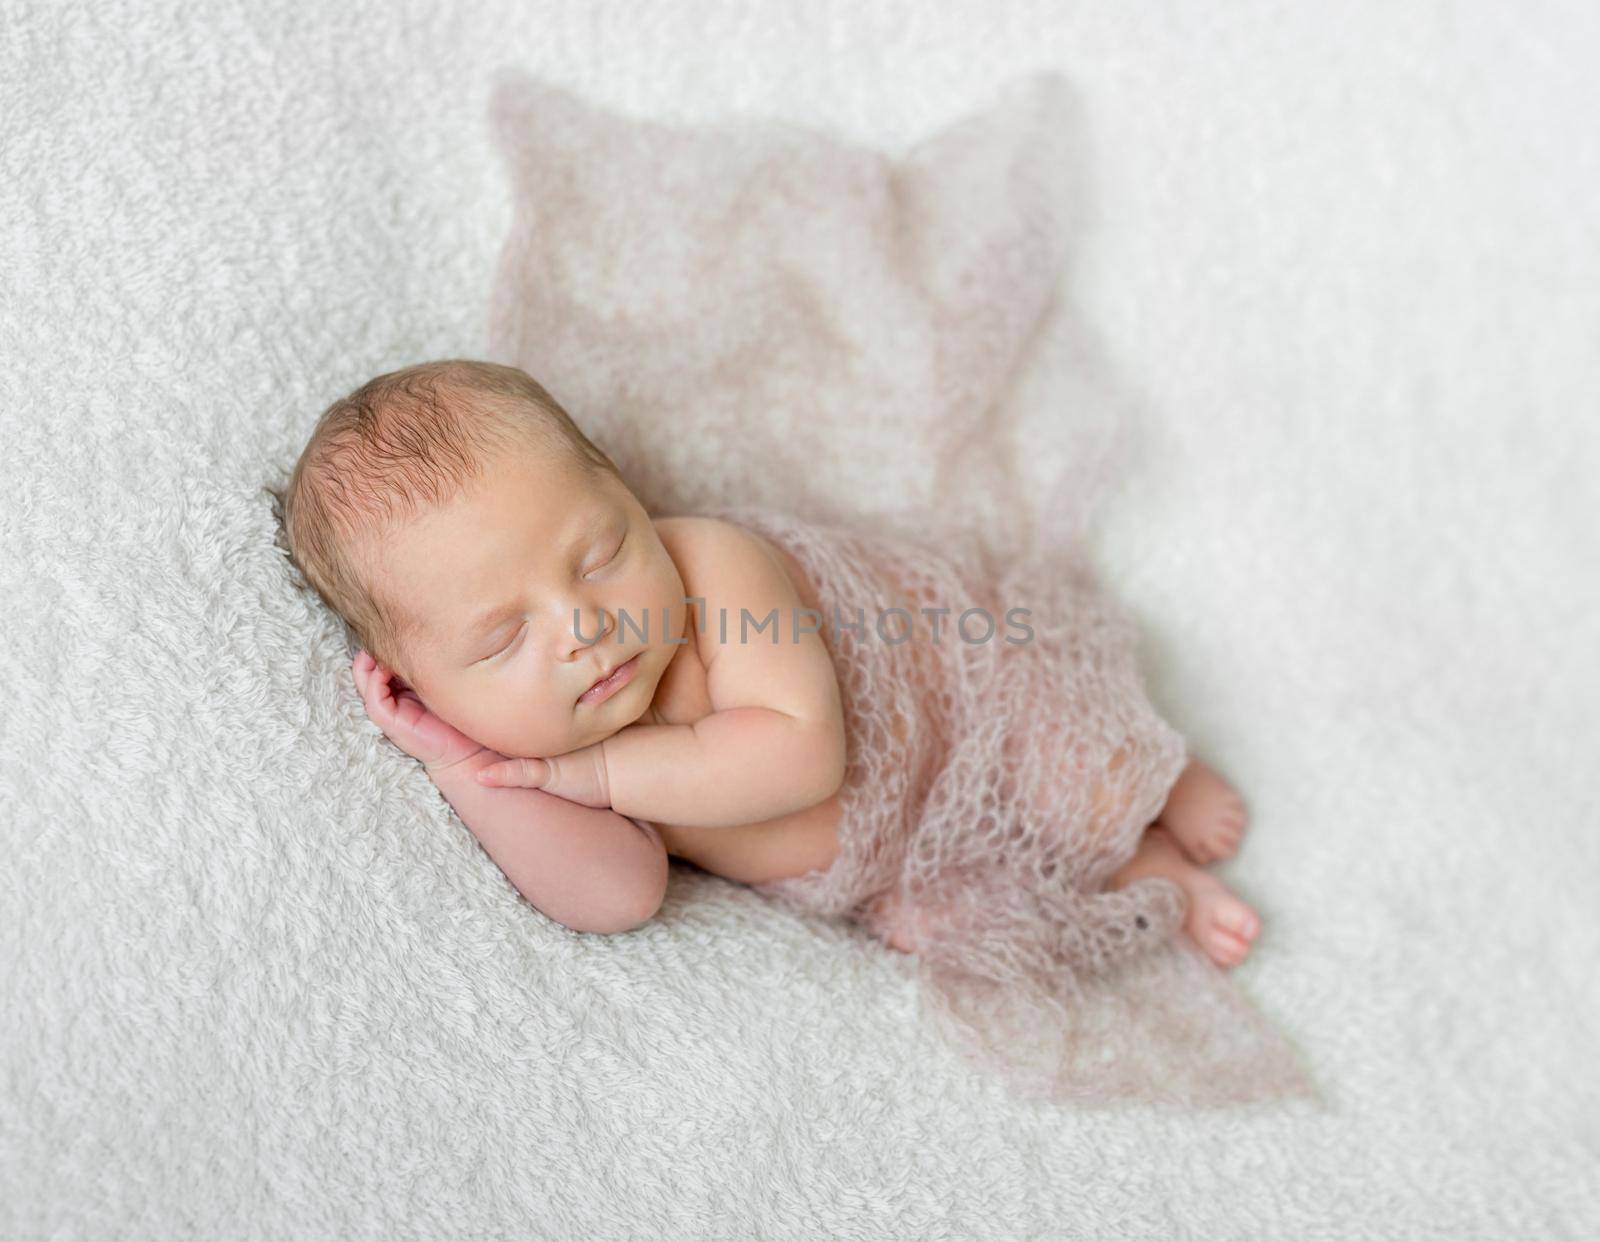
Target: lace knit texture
992	789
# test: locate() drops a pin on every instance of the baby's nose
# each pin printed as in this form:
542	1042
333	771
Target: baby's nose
588	632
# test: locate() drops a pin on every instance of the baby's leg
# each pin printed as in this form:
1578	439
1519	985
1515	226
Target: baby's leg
1081	791
1217	920
1204	814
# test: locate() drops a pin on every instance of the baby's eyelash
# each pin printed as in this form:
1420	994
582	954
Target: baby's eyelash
614	555
517	637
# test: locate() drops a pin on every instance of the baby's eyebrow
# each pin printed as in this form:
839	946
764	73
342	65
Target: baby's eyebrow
485	620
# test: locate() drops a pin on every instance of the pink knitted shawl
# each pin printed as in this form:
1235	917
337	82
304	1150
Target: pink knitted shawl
998	775
759	313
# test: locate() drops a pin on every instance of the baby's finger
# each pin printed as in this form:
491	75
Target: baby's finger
377	692
516	773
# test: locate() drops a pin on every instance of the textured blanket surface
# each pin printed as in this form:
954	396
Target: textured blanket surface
1332	275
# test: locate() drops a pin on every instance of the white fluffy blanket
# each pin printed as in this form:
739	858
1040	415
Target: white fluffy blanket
1334	276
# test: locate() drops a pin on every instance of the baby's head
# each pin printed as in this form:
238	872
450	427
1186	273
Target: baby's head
480	545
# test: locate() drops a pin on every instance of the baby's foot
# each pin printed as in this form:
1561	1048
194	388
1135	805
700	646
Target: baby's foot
1217	919
1205	814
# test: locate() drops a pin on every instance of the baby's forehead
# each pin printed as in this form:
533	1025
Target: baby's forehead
585	503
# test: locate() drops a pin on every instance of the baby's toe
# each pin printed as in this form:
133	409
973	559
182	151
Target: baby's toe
1225	952
1230	947
1239	921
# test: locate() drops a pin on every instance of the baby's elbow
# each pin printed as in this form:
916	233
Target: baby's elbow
626	922
632	908
616	918
635	886
646	907
634	922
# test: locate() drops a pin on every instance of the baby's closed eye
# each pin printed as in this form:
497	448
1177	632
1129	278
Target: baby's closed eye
504	649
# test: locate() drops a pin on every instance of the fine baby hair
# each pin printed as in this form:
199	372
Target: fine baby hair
401	442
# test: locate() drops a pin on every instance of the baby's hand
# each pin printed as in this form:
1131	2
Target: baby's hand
578	776
406	722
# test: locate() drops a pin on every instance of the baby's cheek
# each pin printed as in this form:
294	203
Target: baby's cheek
543	729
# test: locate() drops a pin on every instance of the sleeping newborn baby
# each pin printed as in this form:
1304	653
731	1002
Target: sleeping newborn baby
593	689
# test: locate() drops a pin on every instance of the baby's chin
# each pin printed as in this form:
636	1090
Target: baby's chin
630	706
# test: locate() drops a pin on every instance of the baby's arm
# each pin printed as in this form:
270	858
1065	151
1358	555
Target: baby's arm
586	867
774	742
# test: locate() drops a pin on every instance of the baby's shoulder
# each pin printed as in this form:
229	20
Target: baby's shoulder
716	556
697	543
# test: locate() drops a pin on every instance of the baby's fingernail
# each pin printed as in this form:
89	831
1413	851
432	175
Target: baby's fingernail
485	776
